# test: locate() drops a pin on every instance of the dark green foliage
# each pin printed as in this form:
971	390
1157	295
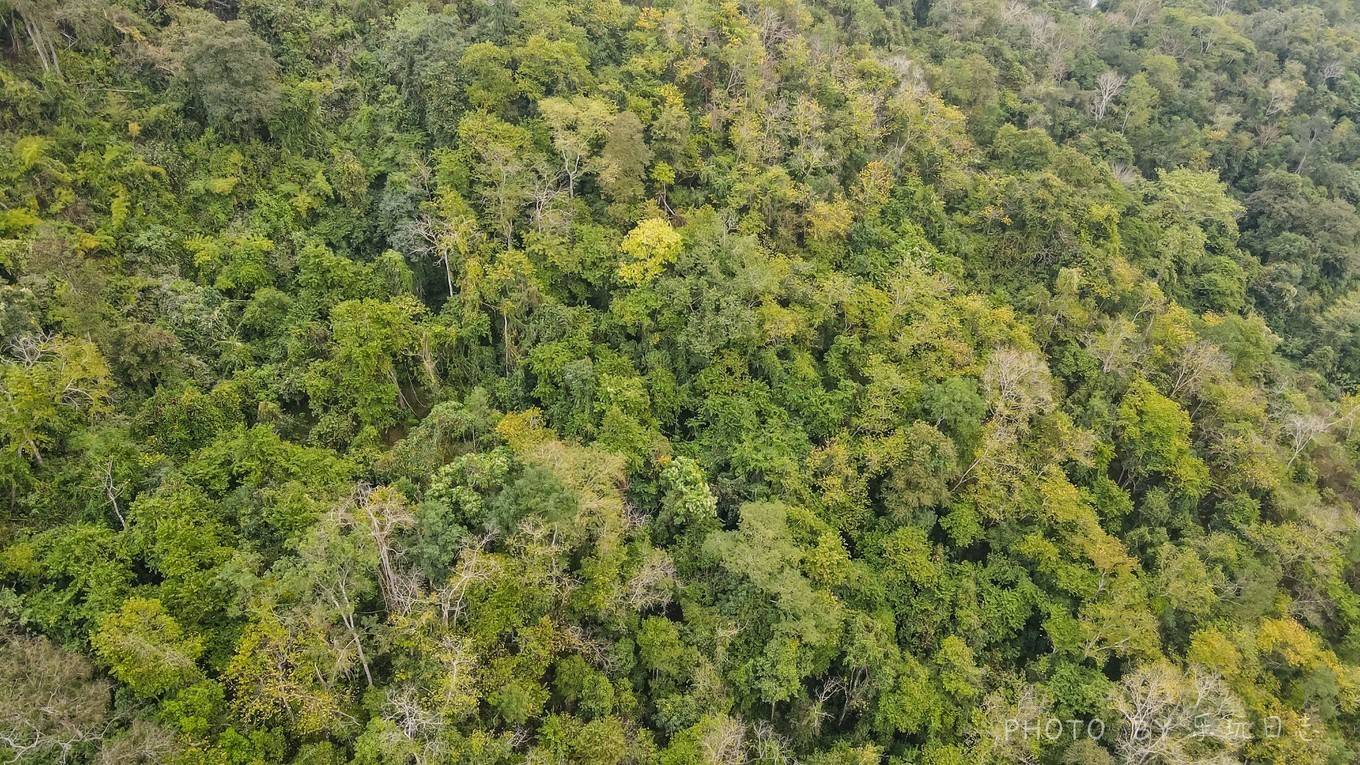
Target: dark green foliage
230	73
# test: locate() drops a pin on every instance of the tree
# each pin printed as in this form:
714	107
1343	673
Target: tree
647	250
804	618
52	707
229	71
1154	437
578	126
490	81
372	338
47	387
277	676
623	161
688	503
921	473
549	67
146	649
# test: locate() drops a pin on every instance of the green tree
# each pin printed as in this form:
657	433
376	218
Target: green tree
146	649
47	388
1154	438
229	72
647	250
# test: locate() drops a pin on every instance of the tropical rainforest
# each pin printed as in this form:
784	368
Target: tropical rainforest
657	382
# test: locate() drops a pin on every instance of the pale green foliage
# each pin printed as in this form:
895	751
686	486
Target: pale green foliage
46	389
651	246
146	649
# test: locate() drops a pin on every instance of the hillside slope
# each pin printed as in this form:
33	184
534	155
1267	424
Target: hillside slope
956	381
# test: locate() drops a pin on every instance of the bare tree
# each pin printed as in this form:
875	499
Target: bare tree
653	584
1201	362
413	717
1140	12
1018	383
1007	715
142	742
768	746
51	704
41	25
419	722
337	578
1302	430
383	512
1108	87
111	491
1281	95
1169	717
1134	14
1318	128
578	127
441	239
473	566
1126	175
545	196
724	743
1112	345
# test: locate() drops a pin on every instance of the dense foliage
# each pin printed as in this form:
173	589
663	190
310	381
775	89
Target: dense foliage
699	381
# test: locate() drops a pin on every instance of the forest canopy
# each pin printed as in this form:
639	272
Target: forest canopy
693	381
